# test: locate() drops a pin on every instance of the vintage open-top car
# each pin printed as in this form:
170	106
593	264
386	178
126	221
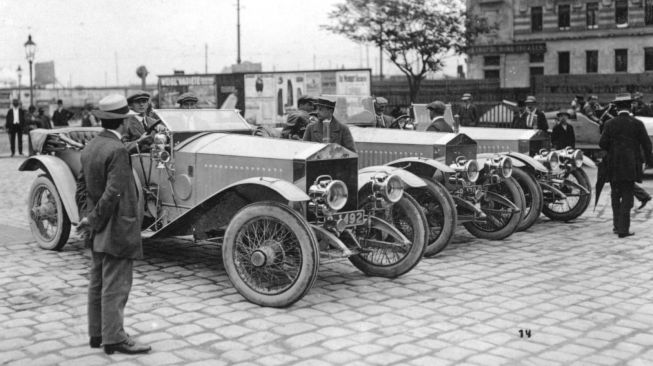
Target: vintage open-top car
485	199
279	207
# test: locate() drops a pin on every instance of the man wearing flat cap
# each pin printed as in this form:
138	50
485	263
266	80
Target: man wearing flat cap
628	147
436	113
468	113
535	119
382	119
187	101
327	129
111	223
562	134
298	120
138	122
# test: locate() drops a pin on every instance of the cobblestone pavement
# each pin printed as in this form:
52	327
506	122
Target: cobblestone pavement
557	294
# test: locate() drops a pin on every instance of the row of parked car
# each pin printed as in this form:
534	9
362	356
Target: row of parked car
281	207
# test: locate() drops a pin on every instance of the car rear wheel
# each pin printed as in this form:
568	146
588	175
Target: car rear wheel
270	254
382	255
440	211
502	219
534	199
576	202
47	217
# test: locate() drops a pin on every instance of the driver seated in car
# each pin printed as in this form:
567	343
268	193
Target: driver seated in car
137	136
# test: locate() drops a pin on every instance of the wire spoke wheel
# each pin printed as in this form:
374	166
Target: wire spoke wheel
534	199
47	217
575	203
440	212
502	219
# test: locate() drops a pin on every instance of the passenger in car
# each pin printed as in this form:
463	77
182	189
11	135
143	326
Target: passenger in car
436	113
298	120
187	101
382	119
562	134
327	129
135	138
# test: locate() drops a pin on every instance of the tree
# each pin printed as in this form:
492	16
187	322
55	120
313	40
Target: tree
416	34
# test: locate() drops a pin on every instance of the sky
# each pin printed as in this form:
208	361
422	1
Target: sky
102	42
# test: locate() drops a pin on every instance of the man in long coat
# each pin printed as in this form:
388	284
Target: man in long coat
112	218
628	146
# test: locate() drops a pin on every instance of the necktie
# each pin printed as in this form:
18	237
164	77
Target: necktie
530	120
17	116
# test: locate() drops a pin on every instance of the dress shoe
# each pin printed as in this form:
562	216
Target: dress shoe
626	235
644	202
95	342
128	347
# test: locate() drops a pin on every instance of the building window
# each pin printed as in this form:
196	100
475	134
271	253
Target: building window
621	60
537	70
563	16
563	62
536	19
592	15
491	74
492	60
648	59
592	61
648	12
621	13
536	58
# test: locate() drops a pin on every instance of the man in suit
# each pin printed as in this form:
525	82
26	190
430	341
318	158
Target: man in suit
327	129
628	146
519	116
562	134
535	119
138	122
468	113
61	116
382	119
14	124
436	113
111	220
298	120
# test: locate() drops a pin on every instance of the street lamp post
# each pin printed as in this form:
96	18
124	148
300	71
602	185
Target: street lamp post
30	49
19	71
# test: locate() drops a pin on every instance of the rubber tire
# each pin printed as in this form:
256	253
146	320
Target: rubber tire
309	256
63	222
413	212
444	199
533	197
516	195
581	206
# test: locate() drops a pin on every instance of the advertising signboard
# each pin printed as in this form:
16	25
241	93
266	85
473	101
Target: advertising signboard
204	87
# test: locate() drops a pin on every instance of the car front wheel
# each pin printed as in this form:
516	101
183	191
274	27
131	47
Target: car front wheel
47	217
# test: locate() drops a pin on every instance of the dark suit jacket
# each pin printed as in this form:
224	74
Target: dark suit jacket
628	146
296	125
439	125
383	121
112	204
468	116
9	120
540	124
561	138
135	129
519	120
339	134
61	118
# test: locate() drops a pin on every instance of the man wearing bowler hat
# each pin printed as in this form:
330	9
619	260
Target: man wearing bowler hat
111	223
382	119
137	124
436	113
562	134
468	113
187	101
535	119
327	129
628	147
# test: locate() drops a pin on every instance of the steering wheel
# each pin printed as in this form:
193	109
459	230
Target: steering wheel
153	126
401	122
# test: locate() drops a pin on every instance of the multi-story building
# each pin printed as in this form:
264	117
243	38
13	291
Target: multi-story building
559	37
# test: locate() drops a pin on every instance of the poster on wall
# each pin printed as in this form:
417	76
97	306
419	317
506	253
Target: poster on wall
171	87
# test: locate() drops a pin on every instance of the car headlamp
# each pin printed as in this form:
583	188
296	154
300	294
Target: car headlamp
471	170
554	160
575	155
502	165
330	192
391	187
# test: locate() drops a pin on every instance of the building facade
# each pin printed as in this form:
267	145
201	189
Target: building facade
561	37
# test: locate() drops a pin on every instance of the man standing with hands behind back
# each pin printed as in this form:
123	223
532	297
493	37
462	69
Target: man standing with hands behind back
112	220
628	146
14	124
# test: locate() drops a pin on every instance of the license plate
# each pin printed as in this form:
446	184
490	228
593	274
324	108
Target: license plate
351	218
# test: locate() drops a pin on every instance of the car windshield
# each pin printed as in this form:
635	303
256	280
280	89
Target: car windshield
354	110
203	120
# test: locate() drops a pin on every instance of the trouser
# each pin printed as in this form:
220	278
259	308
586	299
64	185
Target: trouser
110	283
13	135
640	193
622	202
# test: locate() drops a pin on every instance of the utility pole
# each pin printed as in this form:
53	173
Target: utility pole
238	28
206	58
380	62
115	54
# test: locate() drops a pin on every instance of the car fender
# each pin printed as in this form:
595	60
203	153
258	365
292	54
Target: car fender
529	161
220	207
62	177
409	179
422	167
